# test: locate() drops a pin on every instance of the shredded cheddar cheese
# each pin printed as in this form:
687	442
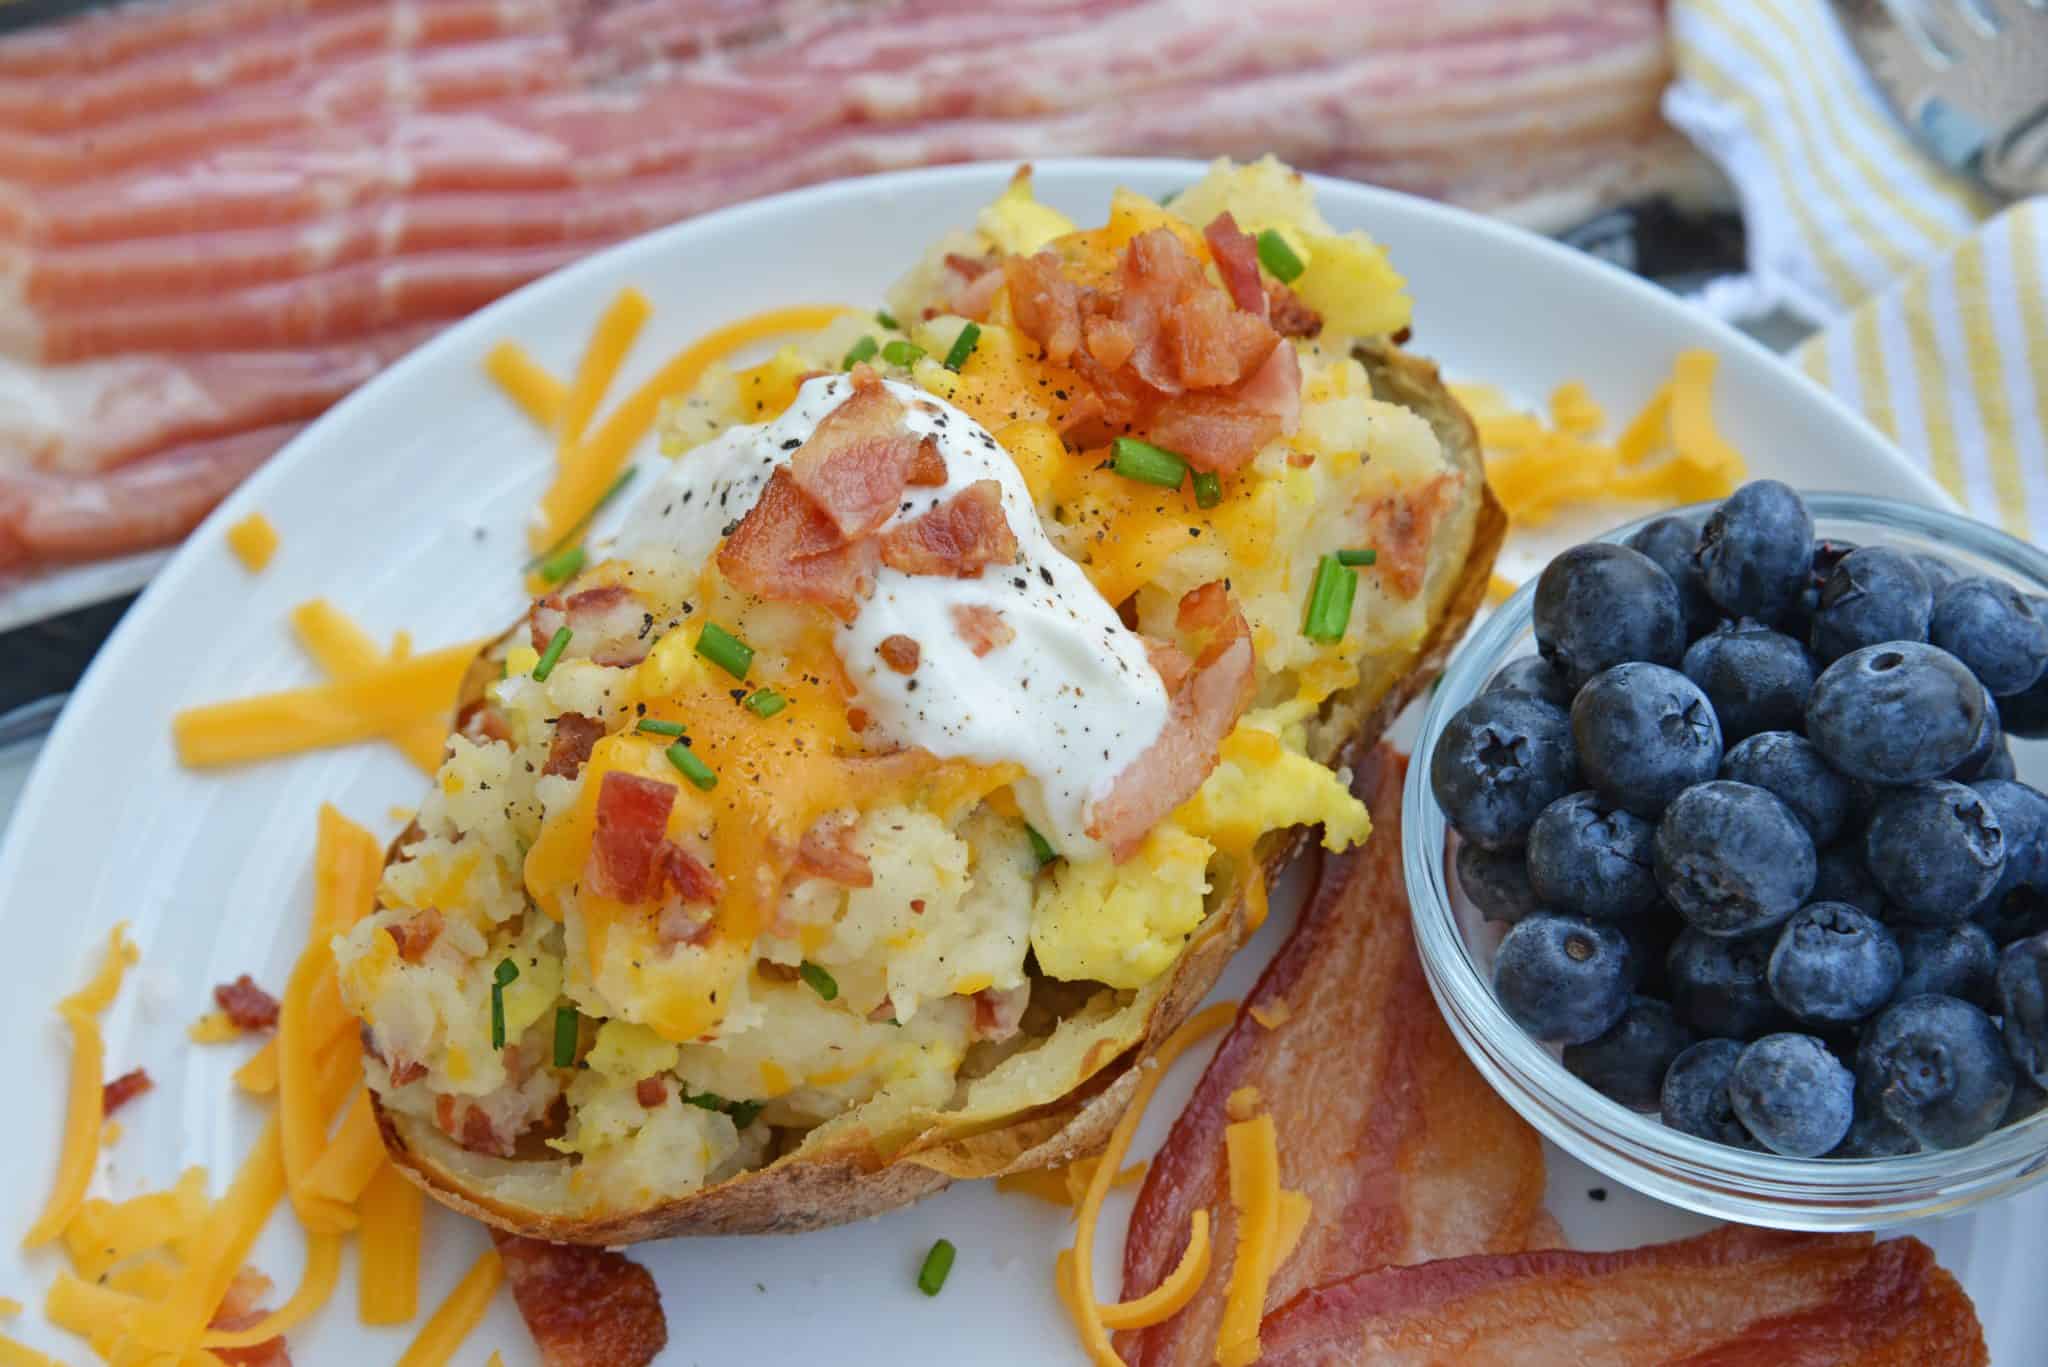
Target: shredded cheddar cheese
603	354
1066	1185
9	1307
527	383
458	1316
1163	1301
1500	588
84	1113
254	541
1273	1015
388	1249
258	1076
1242	1104
352	1158
316	1286
213	1028
1254	1152
14	1353
345	651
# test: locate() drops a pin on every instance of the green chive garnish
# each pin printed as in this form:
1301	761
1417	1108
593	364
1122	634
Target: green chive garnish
576	530
1141	460
690	767
557	643
566	1030
905	354
506	972
863	350
744	1113
660	728
765	702
888	320
1208	489
557	568
725	650
1329	601
705	1101
1279	258
818	980
1368	556
963	346
931	1278
1041	847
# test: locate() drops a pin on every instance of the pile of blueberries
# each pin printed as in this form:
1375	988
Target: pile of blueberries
1753	819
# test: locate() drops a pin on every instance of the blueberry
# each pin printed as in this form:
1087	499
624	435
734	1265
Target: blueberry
2015	916
1901	712
1994	629
1600	604
1562	978
1833	965
1757	550
1589	858
1502	759
1719	986
1757	679
1840	877
1694	1098
1955	961
1989	744
1873	1135
2025	714
1794	1096
1629	1061
2023	1001
1671	542
1644	734
1940	574
2022	814
1534	675
2029	1098
1828	552
1497	881
1789	766
1999	763
1875	595
1733	859
1936	1068
1650	937
1936	850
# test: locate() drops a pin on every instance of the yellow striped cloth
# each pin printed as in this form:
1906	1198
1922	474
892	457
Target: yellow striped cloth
1932	300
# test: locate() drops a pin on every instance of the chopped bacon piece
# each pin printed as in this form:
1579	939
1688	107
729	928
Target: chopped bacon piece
575	737
1047	305
632	822
1205	706
1000	1015
402	1070
1289	313
686	875
969	267
650	1092
787	548
1203	607
1731	1296
469	1125
1171	662
1237	261
855	465
827	851
480	722
1401	526
1220	430
927	468
246	1004
1189	334
608	624
585	1307
979	282
982	627
958	538
415	935
242	1308
900	653
124	1089
1402	1149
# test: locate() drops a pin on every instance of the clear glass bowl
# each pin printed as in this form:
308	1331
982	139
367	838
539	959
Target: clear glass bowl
1636	1148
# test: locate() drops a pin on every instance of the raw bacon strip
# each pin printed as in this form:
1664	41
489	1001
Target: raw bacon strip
960	537
1734	1297
632	823
585	1307
787	548
1403	1150
857	461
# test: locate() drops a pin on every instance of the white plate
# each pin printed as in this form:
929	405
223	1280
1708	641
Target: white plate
406	506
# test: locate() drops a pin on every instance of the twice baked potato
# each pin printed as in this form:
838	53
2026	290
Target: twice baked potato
913	762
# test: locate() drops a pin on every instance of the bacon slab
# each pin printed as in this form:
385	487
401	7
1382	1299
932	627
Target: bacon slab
857	462
961	537
1403	1150
786	547
1237	260
585	1307
632	822
246	1004
1734	1297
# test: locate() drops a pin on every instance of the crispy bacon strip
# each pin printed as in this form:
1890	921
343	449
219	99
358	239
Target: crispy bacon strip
1289	314
632	822
1734	1297
481	722
608	623
927	468
575	737
787	548
246	1004
585	1307
1403	1150
687	876
857	461
1237	261
1046	304
959	537
1220	430
124	1089
1203	607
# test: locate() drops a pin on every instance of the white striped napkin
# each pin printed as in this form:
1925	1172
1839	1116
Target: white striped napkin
1932	302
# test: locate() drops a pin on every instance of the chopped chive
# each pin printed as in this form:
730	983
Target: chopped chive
1329	601
1041	847
1169	197
705	1101
1141	460
566	1031
888	320
660	728
506	972
900	352
582	524
1368	556
1208	489
818	980
1279	258
963	346
765	702
744	1113
690	767
863	350
557	568
931	1278
557	643
725	650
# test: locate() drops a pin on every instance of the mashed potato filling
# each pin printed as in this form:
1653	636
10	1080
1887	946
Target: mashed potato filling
667	907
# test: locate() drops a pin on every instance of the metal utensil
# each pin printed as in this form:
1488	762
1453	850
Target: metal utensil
1969	76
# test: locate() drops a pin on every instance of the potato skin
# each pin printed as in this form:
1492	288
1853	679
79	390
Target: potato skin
853	1175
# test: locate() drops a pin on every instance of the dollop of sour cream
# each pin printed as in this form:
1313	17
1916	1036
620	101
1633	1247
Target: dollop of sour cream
1071	698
